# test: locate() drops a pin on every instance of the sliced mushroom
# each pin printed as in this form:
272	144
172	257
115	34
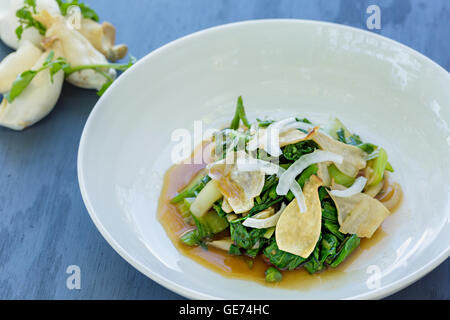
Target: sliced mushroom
263	140
360	214
226	206
294	136
37	100
354	157
17	62
323	173
103	38
238	188
298	232
78	51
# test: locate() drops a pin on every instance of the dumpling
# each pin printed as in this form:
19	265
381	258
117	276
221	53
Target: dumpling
9	21
78	51
103	38
17	62
37	100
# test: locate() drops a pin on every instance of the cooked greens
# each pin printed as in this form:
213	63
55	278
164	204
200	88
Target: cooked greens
330	246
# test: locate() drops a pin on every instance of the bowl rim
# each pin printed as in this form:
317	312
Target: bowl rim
387	290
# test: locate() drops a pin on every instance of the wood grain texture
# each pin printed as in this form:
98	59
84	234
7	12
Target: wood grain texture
44	226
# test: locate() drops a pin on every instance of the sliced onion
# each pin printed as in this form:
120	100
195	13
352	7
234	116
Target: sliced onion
272	133
298	193
396	195
265	223
271	168
251	165
318	156
299	125
356	188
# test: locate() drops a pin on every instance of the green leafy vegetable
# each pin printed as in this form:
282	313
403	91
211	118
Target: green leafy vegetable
26	20
191	192
55	65
243	238
330	220
329	245
100	69
234	250
303	178
294	152
340	177
191	238
273	275
24	79
264	123
239	115
314	264
281	259
346	248
213	223
218	208
86	11
378	166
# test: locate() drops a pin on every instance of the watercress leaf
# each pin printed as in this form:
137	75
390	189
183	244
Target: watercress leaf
19	32
86	11
20	84
32	4
105	87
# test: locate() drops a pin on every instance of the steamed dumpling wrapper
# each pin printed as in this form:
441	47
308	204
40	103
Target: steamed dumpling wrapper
9	21
77	50
17	62
354	157
298	232
37	100
359	214
238	188
103	38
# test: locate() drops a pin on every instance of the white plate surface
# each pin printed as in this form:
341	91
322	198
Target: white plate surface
386	92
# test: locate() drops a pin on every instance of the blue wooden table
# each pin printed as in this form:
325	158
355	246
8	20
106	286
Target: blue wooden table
44	226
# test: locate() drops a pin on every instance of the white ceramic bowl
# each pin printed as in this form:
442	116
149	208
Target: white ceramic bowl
386	92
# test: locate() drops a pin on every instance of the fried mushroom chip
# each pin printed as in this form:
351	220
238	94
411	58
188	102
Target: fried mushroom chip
360	214
297	232
354	157
239	188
